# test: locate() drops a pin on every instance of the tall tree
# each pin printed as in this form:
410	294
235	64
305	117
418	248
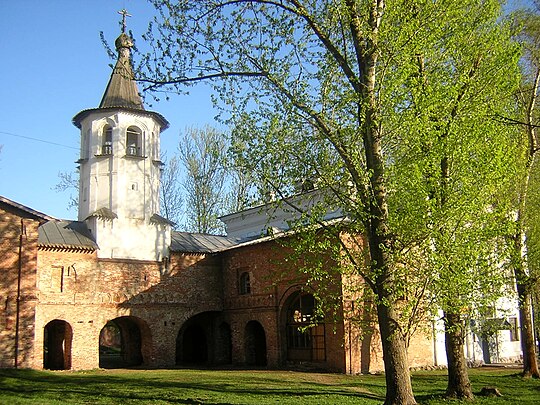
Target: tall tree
462	168
330	86
201	150
526	237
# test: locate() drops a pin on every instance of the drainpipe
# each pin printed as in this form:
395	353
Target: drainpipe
18	302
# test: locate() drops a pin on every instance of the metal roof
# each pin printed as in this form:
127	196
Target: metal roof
200	243
122	90
104	213
66	235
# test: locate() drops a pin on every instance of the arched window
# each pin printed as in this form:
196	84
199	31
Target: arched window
106	148
305	333
245	285
133	142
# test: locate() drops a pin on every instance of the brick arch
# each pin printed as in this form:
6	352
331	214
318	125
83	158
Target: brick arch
203	339
300	341
255	344
125	341
57	340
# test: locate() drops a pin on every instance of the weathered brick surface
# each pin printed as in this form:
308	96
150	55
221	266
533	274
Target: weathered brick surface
272	284
13	224
86	292
165	299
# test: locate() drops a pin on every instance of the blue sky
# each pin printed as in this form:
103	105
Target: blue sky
52	66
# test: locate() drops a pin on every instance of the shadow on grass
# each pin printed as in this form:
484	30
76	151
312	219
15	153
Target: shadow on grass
171	387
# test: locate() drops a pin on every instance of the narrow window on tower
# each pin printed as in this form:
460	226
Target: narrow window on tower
106	148
133	141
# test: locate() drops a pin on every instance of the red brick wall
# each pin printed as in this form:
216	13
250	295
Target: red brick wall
160	297
86	293
10	231
273	281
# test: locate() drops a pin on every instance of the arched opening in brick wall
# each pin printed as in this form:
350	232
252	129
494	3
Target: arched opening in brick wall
204	339
255	344
57	337
123	342
304	332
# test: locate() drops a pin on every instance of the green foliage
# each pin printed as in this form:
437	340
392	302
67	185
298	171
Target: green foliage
390	109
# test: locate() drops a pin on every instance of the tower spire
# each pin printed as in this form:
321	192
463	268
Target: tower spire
122	89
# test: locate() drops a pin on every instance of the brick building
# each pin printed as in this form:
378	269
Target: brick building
119	288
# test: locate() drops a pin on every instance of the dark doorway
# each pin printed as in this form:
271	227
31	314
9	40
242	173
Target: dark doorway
57	345
120	344
199	340
194	345
255	344
486	349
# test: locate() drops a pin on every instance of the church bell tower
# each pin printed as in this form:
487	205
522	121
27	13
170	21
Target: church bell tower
120	168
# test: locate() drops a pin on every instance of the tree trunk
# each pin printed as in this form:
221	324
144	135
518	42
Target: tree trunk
396	365
398	378
530	362
459	385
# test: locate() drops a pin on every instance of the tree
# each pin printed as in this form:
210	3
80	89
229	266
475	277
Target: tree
453	102
69	181
202	153
330	87
171	200
526	238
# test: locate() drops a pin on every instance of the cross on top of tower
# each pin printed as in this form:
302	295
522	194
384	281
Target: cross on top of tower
124	14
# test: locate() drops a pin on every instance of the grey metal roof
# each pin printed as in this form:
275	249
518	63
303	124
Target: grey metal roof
158	219
200	243
103	212
66	235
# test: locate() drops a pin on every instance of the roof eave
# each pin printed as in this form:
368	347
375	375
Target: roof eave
79	117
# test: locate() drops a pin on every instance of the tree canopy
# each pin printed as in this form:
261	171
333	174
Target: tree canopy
388	106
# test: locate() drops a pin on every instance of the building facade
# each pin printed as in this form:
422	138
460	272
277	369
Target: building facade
118	288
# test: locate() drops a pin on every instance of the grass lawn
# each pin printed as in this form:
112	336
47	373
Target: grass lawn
183	386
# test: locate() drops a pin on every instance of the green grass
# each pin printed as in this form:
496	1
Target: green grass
182	386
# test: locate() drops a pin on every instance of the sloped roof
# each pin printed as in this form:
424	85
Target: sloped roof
121	91
104	213
200	243
66	235
158	219
24	210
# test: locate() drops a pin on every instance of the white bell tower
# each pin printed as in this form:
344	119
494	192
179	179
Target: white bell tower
120	168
